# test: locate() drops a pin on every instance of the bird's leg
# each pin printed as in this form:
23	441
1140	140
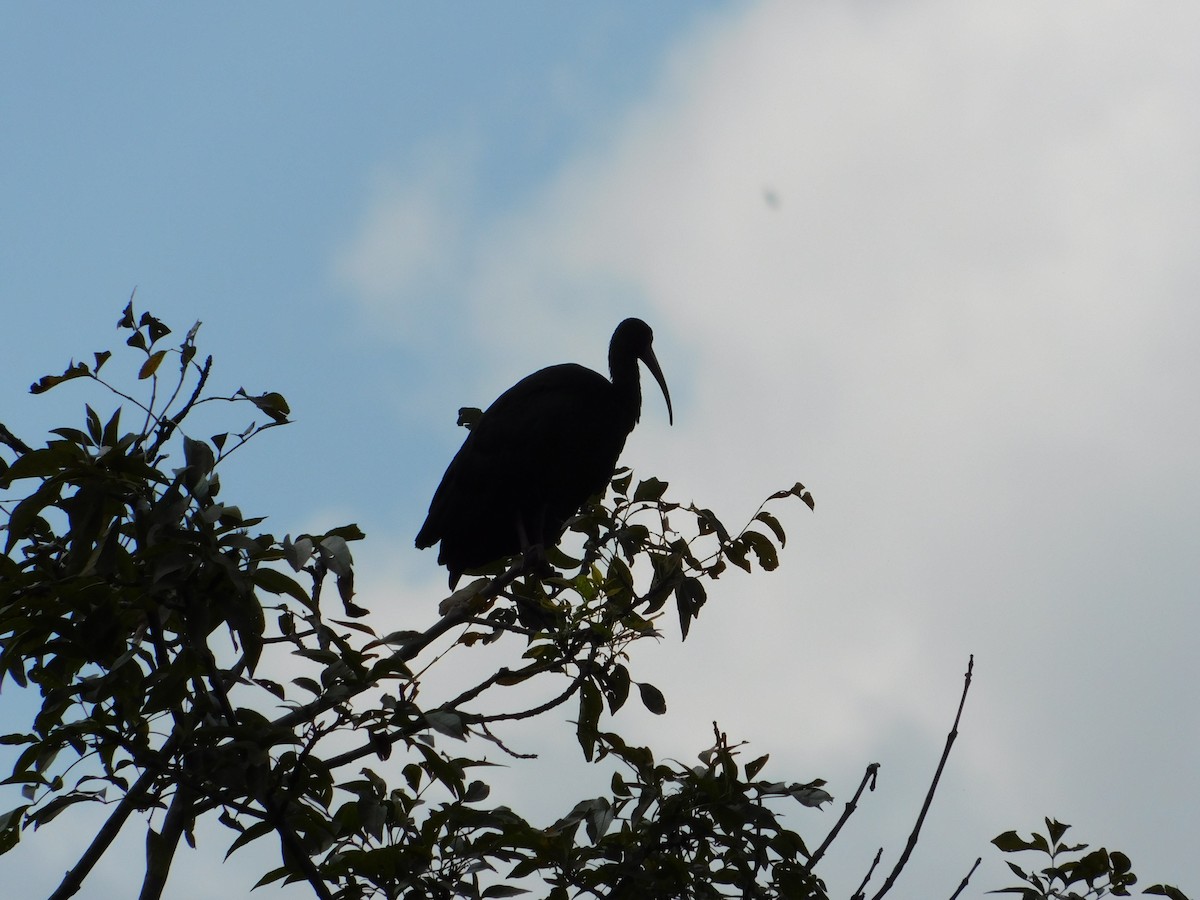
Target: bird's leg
534	614
533	552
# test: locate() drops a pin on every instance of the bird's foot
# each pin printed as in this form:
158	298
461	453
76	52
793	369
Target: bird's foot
534	562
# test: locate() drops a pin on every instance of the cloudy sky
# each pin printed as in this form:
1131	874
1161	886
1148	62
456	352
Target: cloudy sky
936	260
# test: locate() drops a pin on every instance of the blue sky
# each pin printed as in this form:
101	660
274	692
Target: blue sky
968	323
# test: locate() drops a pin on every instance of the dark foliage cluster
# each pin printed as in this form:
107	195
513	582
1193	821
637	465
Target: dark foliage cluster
152	618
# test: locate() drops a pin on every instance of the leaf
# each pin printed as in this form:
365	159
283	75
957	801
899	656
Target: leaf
254	832
74	370
599	819
591	704
755	766
1166	890
616	687
150	366
650	489
447	723
736	554
44	462
796	490
758	542
476	791
50	811
10	828
690	596
198	456
652	698
23	518
157	329
1089	867
1056	830
620	482
810	794
299	553
272	403
1011	842
95	430
335	553
708	523
773	523
503	890
112	429
275	582
308	684
349	532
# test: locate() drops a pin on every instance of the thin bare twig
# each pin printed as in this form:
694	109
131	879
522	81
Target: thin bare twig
912	838
487	734
858	894
963	886
868	779
167	427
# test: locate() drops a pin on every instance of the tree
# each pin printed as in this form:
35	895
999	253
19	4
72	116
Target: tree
150	615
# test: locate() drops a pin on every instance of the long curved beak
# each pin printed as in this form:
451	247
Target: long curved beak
652	364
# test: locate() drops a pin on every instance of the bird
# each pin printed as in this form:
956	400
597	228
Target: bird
537	454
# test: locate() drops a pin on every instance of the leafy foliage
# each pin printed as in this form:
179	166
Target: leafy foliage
154	619
141	606
1074	872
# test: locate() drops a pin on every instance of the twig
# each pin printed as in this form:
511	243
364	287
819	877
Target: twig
408	651
963	886
513	753
858	894
868	779
73	880
912	838
167	426
578	680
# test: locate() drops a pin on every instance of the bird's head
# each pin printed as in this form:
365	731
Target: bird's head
633	340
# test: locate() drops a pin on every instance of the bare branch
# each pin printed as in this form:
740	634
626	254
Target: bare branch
168	426
963	886
858	894
912	838
868	780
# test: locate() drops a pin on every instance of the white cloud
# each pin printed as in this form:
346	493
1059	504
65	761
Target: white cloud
969	325
407	253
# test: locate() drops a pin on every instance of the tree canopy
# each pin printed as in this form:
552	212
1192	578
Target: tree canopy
190	666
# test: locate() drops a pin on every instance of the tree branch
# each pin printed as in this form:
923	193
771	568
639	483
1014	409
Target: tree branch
406	652
161	846
912	838
73	880
868	779
963	886
858	894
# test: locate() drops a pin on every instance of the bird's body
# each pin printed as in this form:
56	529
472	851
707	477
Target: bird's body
536	455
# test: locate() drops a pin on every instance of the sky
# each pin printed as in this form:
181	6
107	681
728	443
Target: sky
933	259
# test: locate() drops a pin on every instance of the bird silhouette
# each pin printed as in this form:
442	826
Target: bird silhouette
537	454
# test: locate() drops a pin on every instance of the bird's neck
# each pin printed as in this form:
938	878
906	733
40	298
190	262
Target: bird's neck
628	387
